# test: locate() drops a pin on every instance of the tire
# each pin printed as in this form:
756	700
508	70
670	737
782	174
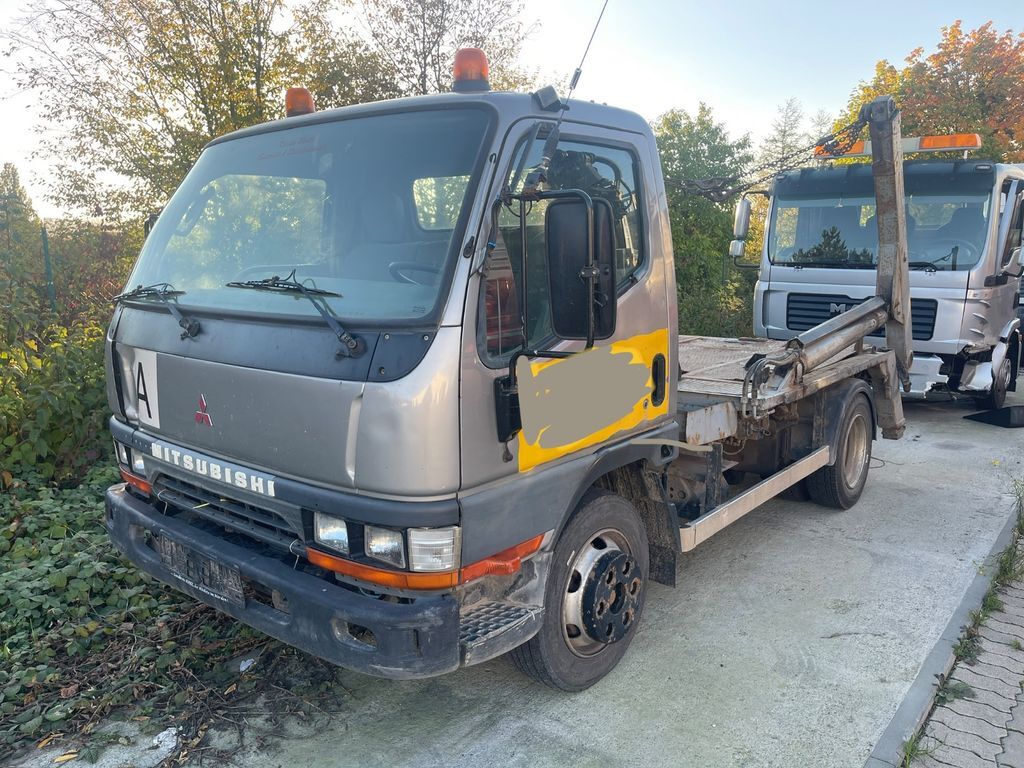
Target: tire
839	486
996	398
584	556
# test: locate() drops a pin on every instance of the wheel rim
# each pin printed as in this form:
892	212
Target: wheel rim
602	593
855	451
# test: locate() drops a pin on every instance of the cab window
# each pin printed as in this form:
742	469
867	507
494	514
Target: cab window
604	172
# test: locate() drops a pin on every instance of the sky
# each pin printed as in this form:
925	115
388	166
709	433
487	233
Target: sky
743	58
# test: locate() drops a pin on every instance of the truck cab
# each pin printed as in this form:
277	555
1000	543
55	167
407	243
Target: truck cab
963	220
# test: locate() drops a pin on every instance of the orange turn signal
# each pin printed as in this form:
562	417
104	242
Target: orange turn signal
136	482
953	141
503	563
399	579
298	101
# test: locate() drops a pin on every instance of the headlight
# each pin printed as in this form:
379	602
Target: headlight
122	453
331	532
434	549
384	544
138	465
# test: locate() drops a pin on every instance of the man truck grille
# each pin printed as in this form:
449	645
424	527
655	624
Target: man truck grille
806	310
258	523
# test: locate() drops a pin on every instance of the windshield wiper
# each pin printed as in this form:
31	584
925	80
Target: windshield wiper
167	294
839	264
351	346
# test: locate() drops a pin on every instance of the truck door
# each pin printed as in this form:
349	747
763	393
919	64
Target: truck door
1005	295
572	405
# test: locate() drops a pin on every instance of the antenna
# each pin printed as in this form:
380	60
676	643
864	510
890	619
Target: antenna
579	70
538	174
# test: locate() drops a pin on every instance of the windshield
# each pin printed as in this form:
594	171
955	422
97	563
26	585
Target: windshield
366	208
946	231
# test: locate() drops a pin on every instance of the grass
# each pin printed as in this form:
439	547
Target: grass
913	750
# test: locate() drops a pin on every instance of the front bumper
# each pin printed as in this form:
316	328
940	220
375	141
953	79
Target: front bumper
410	640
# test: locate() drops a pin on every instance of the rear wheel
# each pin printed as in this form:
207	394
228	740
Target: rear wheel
593	598
839	486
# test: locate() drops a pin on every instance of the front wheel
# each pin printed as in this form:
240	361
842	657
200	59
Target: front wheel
996	398
593	598
839	486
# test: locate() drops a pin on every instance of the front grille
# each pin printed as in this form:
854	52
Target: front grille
806	310
259	523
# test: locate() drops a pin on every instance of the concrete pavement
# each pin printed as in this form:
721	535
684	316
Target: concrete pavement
791	641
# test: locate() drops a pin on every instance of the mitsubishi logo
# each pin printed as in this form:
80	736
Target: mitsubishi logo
202	417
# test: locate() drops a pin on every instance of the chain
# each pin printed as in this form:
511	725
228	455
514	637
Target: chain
718	189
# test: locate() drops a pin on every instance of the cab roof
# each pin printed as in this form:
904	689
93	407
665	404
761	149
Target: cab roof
507	106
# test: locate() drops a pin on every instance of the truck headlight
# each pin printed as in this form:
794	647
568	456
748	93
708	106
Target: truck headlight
384	544
138	464
331	532
121	451
434	549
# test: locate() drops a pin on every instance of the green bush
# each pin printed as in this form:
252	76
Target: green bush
53	403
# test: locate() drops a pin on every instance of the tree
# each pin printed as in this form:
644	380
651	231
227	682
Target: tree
418	38
19	225
138	87
693	147
970	84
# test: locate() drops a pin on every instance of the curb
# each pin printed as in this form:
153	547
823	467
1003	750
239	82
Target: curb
917	704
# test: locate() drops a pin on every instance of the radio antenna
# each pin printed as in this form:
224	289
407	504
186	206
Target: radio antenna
539	174
579	70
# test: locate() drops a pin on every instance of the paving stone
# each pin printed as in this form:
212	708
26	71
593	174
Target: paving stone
974	708
988	646
1013	591
980	682
966	724
1013	751
996	672
993	700
939	755
969	742
1016	721
1000	638
1009	663
1007	629
1009	599
1008	616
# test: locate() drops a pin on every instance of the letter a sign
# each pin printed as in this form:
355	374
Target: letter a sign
147	402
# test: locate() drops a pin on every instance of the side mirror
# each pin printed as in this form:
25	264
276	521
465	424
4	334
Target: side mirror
740	230
568	236
741	221
1016	266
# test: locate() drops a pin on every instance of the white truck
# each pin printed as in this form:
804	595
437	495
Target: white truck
964	222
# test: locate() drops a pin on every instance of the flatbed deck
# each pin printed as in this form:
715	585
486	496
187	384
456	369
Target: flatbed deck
710	383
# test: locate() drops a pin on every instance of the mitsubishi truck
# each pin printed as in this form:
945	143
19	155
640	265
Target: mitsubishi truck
400	384
964	220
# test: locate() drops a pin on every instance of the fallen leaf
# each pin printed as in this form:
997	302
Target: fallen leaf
66	757
42	744
8	478
231	689
68	691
